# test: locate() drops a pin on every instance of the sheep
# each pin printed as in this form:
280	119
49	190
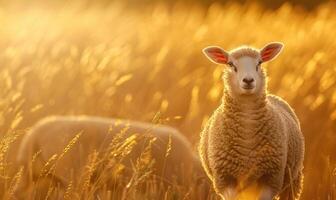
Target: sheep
174	160
252	144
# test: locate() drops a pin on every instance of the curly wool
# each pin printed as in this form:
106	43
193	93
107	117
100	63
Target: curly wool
263	144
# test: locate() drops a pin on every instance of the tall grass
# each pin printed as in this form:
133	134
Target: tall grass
123	62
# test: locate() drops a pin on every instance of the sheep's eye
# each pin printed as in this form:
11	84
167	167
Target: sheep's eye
258	65
233	66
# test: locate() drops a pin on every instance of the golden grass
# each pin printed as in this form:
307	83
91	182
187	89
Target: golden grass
131	63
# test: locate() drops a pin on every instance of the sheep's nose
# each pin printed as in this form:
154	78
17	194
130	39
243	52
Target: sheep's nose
248	80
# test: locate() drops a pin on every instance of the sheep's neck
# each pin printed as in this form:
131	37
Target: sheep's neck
247	113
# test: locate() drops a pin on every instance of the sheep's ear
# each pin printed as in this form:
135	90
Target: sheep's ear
216	54
270	51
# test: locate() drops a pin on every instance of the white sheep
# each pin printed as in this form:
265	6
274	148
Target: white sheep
252	144
174	160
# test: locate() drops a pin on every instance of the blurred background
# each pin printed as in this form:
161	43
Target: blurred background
135	58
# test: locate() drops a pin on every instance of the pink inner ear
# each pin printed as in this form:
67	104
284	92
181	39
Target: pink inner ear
217	55
268	53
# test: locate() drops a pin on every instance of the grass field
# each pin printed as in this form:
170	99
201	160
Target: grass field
119	61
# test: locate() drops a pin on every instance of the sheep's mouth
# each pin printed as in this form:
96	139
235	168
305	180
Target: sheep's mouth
248	87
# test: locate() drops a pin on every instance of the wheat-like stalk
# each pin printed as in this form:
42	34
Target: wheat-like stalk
14	185
158	65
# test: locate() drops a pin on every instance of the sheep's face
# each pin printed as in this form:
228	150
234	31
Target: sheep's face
244	75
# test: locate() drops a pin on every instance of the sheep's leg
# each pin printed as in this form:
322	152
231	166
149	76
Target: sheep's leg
229	193
226	188
271	185
267	193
